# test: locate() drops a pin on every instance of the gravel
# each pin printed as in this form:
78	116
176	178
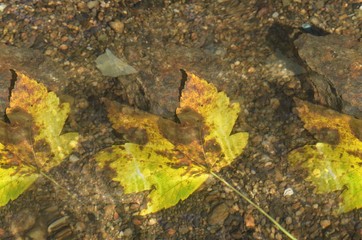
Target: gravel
231	43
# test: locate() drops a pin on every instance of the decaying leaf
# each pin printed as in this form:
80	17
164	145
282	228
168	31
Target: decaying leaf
173	159
335	162
32	142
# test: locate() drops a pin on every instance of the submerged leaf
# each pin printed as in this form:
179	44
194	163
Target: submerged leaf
111	66
334	163
32	142
173	159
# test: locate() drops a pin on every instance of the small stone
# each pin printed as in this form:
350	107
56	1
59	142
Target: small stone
82	103
2	232
249	220
82	6
251	70
152	221
64	39
237	234
73	158
2	7
345	221
127	232
80	226
299	212
275	15
315	21
183	229
288	220
117	26
274	103
115	216
134	206
109	211
288	192
325	223
137	221
22	221
37	233
63	47
93	4
218	214
286	3
171	232
49	52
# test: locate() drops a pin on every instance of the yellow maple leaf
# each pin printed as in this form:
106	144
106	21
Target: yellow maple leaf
32	142
173	159
335	162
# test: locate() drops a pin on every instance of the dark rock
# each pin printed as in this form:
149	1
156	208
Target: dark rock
337	65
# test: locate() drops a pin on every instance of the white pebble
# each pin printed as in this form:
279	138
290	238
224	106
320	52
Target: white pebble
288	192
2	6
275	15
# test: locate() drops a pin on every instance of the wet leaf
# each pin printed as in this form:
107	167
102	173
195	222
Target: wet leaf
335	162
32	142
171	159
111	66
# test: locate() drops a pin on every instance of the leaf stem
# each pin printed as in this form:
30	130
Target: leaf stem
58	185
254	205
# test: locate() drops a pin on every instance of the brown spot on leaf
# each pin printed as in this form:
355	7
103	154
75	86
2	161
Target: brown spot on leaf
136	135
212	146
178	134
356	128
19	128
189	117
42	146
327	135
357	154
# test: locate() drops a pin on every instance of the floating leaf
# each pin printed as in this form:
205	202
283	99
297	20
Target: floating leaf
334	163
32	142
173	159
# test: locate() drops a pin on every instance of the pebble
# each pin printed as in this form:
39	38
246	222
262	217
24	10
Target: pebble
63	47
249	220
58	224
93	4
171	232
109	211
218	214
137	221
325	223
73	158
183	229
37	233
82	103
22	221
117	26
80	226
315	21
127	232
288	192
152	221
2	7
275	15
274	103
